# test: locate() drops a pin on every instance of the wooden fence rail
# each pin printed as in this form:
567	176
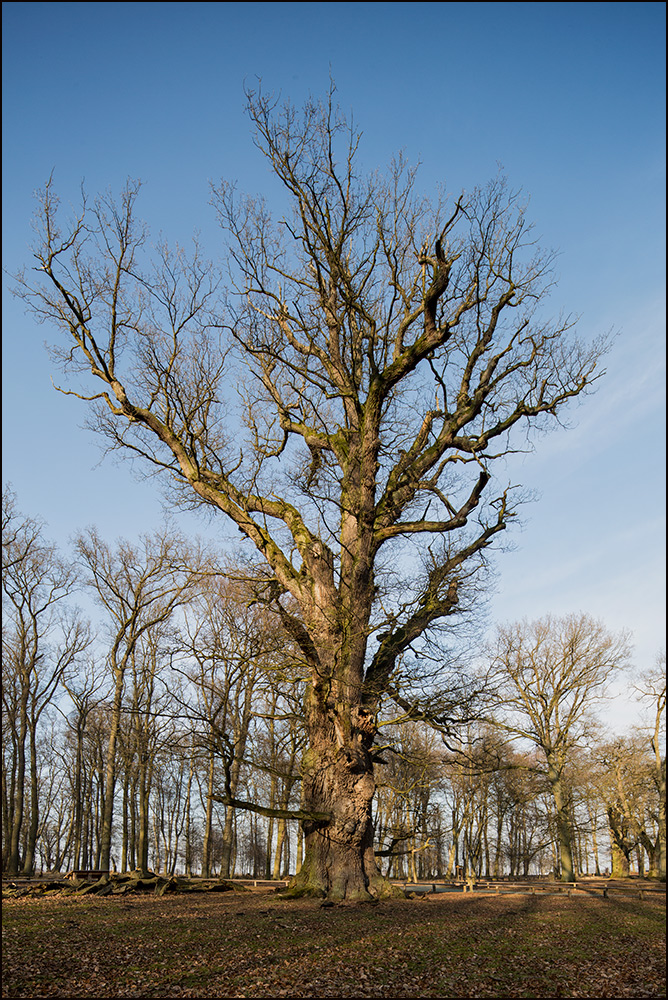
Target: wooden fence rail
497	887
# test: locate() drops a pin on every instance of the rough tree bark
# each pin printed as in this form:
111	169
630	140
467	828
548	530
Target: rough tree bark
555	776
383	349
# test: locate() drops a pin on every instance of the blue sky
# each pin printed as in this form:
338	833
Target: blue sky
569	98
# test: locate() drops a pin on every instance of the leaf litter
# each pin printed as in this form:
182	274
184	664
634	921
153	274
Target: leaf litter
258	945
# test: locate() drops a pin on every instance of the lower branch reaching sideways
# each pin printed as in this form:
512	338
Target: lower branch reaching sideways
271	813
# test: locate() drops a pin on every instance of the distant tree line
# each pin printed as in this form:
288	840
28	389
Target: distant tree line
169	735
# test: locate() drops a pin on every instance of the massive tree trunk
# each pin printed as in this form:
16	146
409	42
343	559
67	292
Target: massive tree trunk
620	861
621	843
339	859
564	832
338	787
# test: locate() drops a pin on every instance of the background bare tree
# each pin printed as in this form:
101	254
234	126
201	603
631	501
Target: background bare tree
465	804
228	646
83	687
624	769
40	641
385	349
139	587
651	688
548	675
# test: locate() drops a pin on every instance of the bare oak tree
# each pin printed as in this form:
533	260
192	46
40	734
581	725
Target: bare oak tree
386	349
624	775
548	675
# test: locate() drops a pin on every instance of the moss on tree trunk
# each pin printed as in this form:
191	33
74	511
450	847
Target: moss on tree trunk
339	862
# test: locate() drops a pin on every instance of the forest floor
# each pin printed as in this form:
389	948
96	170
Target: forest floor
254	944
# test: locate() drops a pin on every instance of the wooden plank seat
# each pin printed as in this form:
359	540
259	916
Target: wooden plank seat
87	874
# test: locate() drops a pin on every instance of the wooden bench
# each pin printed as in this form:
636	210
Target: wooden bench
88	874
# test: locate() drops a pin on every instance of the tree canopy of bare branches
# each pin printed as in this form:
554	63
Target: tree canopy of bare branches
386	349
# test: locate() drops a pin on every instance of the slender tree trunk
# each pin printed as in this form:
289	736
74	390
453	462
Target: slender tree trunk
280	840
19	789
661	838
499	835
188	856
593	819
299	860
33	825
7	804
77	805
208	822
61	855
287	852
133	838
96	819
270	825
452	861
126	822
143	818
81	860
640	857
110	769
581	852
156	834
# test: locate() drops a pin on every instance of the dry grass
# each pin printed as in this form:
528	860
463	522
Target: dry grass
256	945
